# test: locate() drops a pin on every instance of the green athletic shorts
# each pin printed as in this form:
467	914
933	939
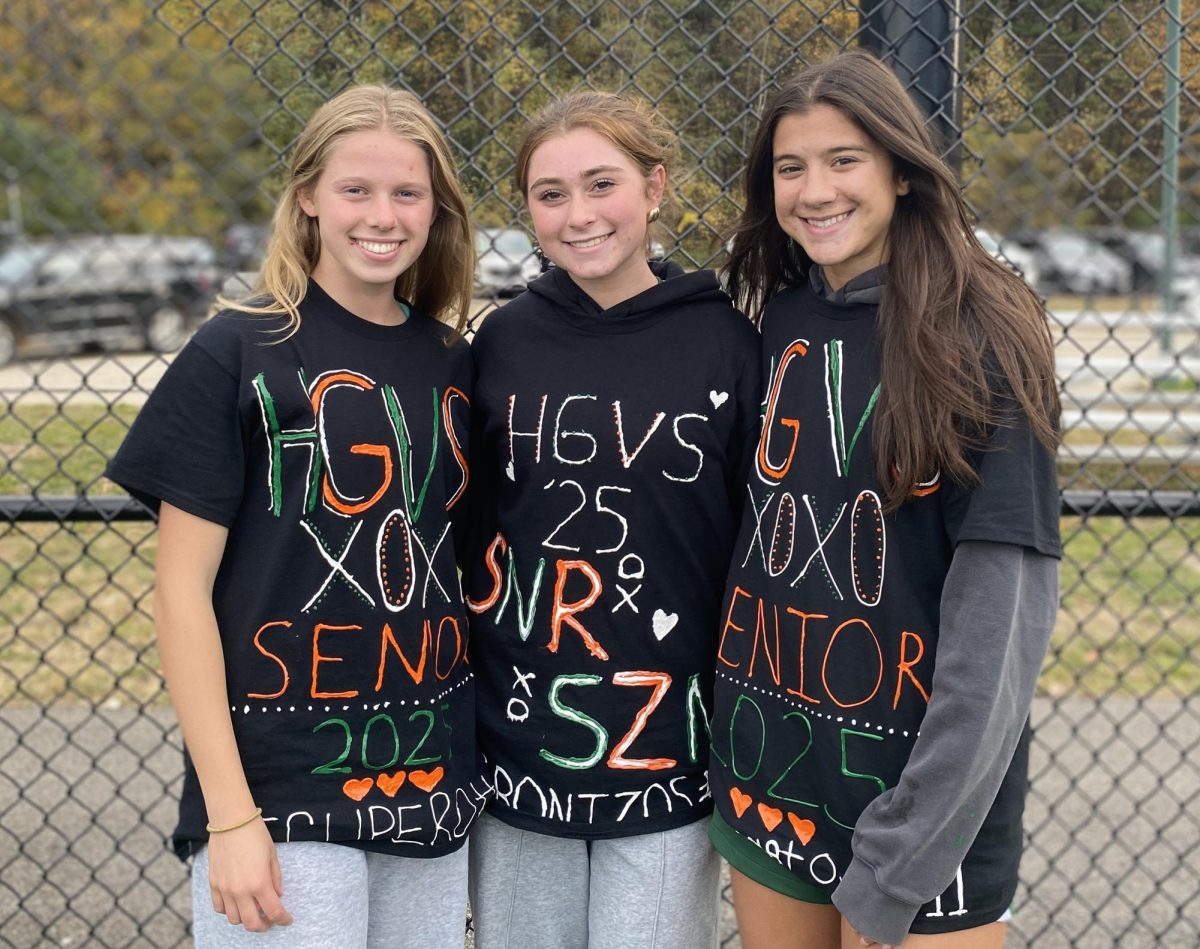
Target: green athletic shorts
752	861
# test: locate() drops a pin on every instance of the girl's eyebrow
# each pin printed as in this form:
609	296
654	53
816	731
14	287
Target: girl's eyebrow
587	173
836	149
357	180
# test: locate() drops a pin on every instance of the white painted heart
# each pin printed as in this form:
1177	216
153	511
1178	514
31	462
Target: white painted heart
664	623
511	472
717	398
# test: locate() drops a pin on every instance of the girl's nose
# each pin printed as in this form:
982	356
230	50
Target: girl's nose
380	214
580	213
818	187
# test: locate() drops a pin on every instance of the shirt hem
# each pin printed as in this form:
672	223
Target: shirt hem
538	825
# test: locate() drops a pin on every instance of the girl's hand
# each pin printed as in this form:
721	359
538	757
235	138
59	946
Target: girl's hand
244	878
865	941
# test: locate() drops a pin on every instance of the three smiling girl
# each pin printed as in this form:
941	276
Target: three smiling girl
903	466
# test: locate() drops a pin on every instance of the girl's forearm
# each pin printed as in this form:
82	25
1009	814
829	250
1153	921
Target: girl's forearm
193	664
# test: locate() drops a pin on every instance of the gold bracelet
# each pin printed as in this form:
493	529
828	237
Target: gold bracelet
242	823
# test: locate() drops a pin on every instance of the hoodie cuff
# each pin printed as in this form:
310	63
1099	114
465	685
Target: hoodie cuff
871	911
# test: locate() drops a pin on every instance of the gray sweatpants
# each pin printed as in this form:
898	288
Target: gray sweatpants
653	891
352	899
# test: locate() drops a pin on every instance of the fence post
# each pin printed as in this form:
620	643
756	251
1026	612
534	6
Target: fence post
919	40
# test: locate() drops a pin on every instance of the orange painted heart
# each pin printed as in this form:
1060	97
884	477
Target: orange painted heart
426	780
389	784
770	816
804	828
356	788
740	801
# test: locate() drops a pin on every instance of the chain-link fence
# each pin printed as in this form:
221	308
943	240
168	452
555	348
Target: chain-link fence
1076	124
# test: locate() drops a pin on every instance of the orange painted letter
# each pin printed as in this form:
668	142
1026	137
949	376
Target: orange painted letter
730	624
317	659
829	649
905	667
437	647
804	618
357	381
270	655
565	612
760	633
492	558
660	681
387	638
797	348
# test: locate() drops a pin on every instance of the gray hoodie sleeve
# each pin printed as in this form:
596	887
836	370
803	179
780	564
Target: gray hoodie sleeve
998	610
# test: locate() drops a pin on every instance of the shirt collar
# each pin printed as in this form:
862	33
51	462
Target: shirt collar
865	288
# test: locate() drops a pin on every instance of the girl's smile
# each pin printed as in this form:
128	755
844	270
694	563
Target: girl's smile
823	224
378	248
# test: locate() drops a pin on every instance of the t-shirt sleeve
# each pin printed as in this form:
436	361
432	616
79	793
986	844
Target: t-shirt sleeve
185	447
1016	500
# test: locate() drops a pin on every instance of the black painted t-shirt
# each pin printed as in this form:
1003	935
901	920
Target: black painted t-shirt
829	629
611	451
337	459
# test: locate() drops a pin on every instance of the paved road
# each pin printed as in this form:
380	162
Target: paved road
87	799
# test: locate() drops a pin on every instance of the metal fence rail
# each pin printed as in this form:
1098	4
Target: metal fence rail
172	118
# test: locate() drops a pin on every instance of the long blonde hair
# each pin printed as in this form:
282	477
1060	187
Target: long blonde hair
439	282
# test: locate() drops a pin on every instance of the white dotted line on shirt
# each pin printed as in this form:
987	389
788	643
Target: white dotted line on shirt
808	708
367	706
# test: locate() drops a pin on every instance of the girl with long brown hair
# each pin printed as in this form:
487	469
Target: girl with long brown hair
894	586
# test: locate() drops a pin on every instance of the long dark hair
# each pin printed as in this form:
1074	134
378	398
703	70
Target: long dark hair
963	341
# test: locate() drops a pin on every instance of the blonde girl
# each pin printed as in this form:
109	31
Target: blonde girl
306	453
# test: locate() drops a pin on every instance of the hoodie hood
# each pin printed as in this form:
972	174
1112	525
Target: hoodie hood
676	288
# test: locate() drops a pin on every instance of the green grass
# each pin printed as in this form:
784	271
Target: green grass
75	619
1176	384
75	608
1153	473
60	450
1129	621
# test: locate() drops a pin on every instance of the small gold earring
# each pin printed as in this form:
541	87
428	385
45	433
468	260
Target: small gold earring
652	216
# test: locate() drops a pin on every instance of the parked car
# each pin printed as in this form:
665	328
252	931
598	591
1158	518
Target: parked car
96	289
1072	262
1011	254
1146	252
244	246
505	261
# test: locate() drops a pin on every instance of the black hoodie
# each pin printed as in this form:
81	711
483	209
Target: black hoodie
612	454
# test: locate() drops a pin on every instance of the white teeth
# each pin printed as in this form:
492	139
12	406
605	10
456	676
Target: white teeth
592	242
378	247
822	223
